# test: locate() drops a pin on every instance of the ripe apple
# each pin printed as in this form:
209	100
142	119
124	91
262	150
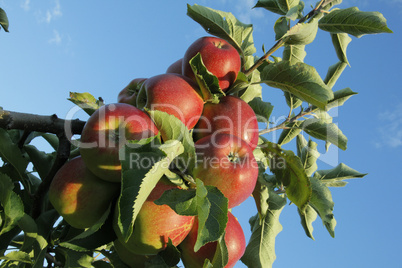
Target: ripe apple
129	93
175	67
234	239
174	94
155	224
75	193
107	131
128	257
231	115
219	57
226	162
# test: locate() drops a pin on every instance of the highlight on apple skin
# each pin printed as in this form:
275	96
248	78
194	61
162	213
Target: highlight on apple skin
75	191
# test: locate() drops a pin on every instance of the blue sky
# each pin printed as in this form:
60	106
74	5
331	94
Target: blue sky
55	47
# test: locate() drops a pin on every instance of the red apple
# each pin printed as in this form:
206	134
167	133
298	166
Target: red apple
231	115
107	131
175	67
155	224
234	239
174	94
75	193
226	162
129	93
219	57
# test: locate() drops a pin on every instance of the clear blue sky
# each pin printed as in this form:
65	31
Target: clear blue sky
92	46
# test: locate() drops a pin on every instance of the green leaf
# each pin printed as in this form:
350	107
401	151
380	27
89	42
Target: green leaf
13	207
171	255
51	139
183	202
292	101
341	42
335	177
261	109
260	251
334	72
340	97
299	79
289	169
45	223
91	238
30	229
296	12
86	101
41	161
142	168
325	131
301	142
75	259
212	208
302	33
353	21
321	201
309	156
286	5
17	256
3	20
254	89
270	5
281	27
294	53
171	128
288	134
221	256
226	26
10	153
307	218
208	83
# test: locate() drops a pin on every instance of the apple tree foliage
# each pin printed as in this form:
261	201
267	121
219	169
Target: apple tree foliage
31	232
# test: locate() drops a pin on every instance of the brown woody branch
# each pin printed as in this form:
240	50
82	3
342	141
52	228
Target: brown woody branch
39	123
48	124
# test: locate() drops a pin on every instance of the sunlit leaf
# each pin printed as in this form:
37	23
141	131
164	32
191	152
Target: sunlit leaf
226	26
353	21
3	20
260	251
341	42
86	101
142	168
325	131
321	201
299	79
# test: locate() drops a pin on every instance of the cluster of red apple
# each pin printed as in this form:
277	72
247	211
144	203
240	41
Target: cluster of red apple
225	135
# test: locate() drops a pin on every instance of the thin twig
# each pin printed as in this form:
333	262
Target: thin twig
281	41
287	121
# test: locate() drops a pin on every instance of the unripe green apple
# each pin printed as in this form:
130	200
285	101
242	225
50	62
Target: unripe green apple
107	131
174	94
79	196
130	92
226	162
155	224
219	57
234	239
231	115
